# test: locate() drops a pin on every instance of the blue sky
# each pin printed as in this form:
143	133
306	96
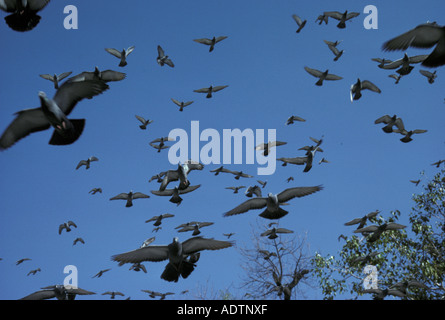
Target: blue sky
262	61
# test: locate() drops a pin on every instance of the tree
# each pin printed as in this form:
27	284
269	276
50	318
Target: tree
409	265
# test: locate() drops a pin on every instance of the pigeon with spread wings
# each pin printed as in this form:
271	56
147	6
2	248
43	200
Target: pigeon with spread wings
210	42
342	17
390	123
181	104
129	197
356	89
86	162
210	90
322	75
122	55
163	58
56	78
301	23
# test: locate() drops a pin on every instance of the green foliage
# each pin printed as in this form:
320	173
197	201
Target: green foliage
414	253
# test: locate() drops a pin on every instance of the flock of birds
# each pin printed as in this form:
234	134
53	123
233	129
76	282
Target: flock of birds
182	256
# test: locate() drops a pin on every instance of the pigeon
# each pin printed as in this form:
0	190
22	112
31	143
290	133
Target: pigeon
290	179
95	190
122	55
356	89
181	255
267	254
431	76
158	219
33	272
438	163
322	75
78	240
268	145
300	23
56	78
210	90
253	190
416	182
228	235
163	59
158	177
332	43
105	76
262	183
337	53
295	160
323	160
195	227
144	122
181	104
100	273
407	134
292	119
210	42
362	221
23	14
154	294
174	175
310	158
235	189
375	231
147	242
342	17
380	294
138	267
67	226
129	197
425	35
21	261
390	122
238	174
404	64
272	233
86	162
161	144
396	77
113	294
219	170
272	202
174	193
60	292
381	61
53	112
322	18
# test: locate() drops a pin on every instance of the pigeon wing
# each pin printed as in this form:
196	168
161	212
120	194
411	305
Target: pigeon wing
40	295
120	196
422	36
255	203
220	38
218	88
291	193
140	195
114	52
150	253
196	244
370	86
313	72
203	41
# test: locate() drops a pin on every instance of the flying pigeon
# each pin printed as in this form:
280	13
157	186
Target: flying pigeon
301	23
235	189
381	61
337	53
78	240
210	90
431	76
147	242
375	231
253	190
290	179
144	122
272	233
67	226
105	76
60	292
407	134
33	272
56	78
138	267
174	175
295	160
438	163
23	15
21	261
322	18
390	122
423	36
113	294
228	235
362	221
396	77
174	193
322	75
161	144
404	64
195	227
210	42
181	104
292	119
416	182
380	294
323	160
129	197
262	183
356	89
272	202
100	273
53	112
158	219
122	55
163	59
177	253
86	162
268	145
342	17
154	294
95	190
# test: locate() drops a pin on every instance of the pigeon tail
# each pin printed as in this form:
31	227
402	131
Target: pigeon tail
276	214
129	203
22	22
170	273
319	82
60	139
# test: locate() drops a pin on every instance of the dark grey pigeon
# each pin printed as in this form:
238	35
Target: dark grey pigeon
381	61
163	58
342	17
238	174
235	189
272	233
113	294
380	294
268	145
323	160
78	240
181	255
95	190
122	55
322	75
219	170
301	23
337	53
195	227
407	134
100	273
105	76
53	112
129	197
272	202
404	64
423	36
262	183
86	162
375	231
181	104
295	160
23	15
322	18
154	294
210	90
210	42
253	190
332	43
21	261
60	292
161	144
290	179
390	123
174	193
56	78
431	76
158	219
362	221
67	226
292	119
356	89
144	122
174	175
438	163
33	272
416	182
396	77
138	267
